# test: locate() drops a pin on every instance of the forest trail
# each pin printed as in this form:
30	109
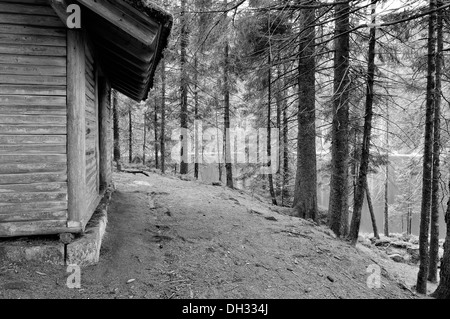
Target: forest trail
170	238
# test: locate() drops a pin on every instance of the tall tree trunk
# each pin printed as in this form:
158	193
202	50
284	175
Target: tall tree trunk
227	140
386	181
278	102
338	207
365	152
305	198
434	236
184	166
155	124
354	166
409	215
371	211
219	157
163	116
285	193
269	129
130	135
196	117
116	129
428	155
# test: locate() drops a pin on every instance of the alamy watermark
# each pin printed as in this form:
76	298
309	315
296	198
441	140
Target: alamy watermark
73	20
242	146
74	279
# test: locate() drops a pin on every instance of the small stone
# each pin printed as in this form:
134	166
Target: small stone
114	291
130	281
66	238
397	258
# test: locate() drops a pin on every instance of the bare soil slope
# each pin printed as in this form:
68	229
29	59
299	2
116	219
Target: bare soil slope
169	238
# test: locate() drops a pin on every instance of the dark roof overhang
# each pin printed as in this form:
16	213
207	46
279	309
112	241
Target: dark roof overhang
128	37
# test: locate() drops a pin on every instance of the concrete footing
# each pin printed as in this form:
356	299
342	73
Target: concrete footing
85	251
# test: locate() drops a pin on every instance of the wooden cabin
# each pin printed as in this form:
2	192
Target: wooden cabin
55	111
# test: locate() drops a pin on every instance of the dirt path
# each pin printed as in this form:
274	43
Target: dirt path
183	239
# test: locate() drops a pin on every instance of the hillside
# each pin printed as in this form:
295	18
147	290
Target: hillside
170	238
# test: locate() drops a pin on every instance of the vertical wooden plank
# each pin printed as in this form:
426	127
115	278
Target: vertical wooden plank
104	95
98	133
76	127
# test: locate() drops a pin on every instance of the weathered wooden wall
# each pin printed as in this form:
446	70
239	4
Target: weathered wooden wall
33	160
109	140
106	133
92	132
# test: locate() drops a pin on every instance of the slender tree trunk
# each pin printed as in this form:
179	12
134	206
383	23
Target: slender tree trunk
409	214
219	157
285	193
428	156
409	222
386	181
434	236
338	207
365	152
371	211
116	129
184	39
278	101
443	290
227	141
156	135
269	129
196	117
305	198
130	135
354	167
163	116
144	144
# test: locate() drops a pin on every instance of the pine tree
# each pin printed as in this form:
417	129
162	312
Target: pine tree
305	200
434	235
338	207
184	42
365	152
428	155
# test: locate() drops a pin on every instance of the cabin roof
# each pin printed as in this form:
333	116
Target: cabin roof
128	37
